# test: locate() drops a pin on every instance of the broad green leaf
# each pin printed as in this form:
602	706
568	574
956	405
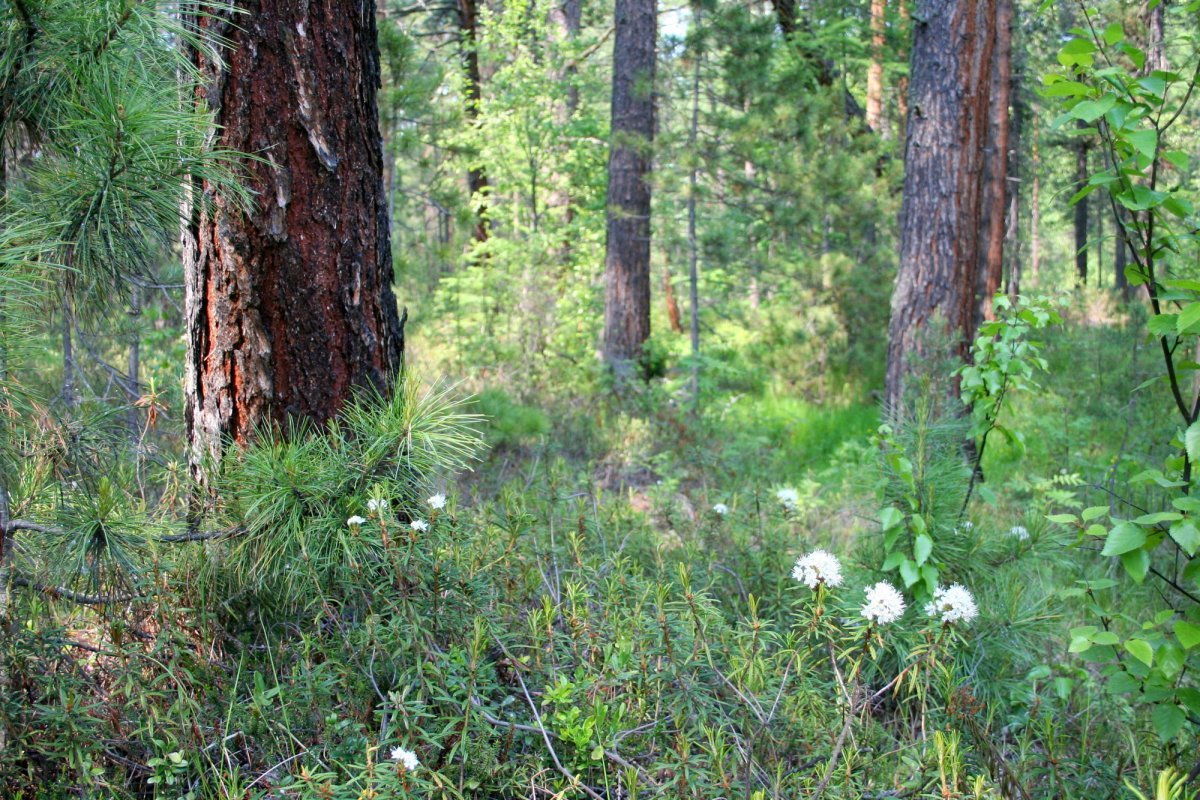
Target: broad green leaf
1124	537
1137	564
1093	512
1141	650
1187	536
1191	438
892	561
1113	33
1178	159
1168	718
1188	634
890	517
1188	320
1157	517
1163	324
909	573
1092	110
1143	141
922	547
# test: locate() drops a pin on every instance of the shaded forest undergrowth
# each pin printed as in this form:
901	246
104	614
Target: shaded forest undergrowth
604	605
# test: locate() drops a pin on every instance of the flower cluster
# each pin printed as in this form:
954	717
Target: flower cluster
1020	532
789	498
437	501
952	604
819	566
720	509
355	521
419	525
884	604
377	505
407	758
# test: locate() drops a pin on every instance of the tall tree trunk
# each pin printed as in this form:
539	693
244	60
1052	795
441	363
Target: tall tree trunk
289	305
875	119
1120	258
566	20
627	251
995	162
941	222
468	39
1021	111
1081	212
693	189
1035	205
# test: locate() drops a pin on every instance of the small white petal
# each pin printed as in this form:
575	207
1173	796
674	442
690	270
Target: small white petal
884	604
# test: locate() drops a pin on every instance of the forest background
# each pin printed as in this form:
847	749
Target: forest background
691	301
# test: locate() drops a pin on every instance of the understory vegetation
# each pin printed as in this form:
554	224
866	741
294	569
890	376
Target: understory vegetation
516	576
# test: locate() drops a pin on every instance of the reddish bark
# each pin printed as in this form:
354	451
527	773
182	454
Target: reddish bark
289	305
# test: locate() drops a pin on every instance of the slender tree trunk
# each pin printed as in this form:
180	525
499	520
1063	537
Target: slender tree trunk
941	219
875	118
627	251
1081	213
289	305
468	37
995	162
693	189
1120	259
133	389
70	388
566	20
1035	207
1013	251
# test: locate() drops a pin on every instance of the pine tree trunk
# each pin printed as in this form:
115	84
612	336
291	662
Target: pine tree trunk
289	306
468	37
627	251
995	162
941	218
875	68
1081	212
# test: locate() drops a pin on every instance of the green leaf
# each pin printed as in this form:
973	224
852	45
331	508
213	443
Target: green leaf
1093	512
1063	519
1178	159
1188	320
1105	637
1137	564
892	561
1092	110
1141	650
922	547
1167	719
1187	634
909	573
1124	537
1113	33
1143	141
1157	517
890	517
1187	536
1162	324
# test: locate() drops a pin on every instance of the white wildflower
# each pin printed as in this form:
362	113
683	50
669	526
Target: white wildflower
952	603
407	758
819	566
355	521
720	509
884	604
789	497
438	501
967	525
1019	531
377	505
419	525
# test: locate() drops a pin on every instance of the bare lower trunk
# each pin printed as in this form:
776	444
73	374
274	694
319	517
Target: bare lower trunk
941	219
875	119
627	250
289	305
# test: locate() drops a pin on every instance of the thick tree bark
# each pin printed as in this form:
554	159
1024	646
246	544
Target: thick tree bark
875	117
941	222
627	251
468	37
289	306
